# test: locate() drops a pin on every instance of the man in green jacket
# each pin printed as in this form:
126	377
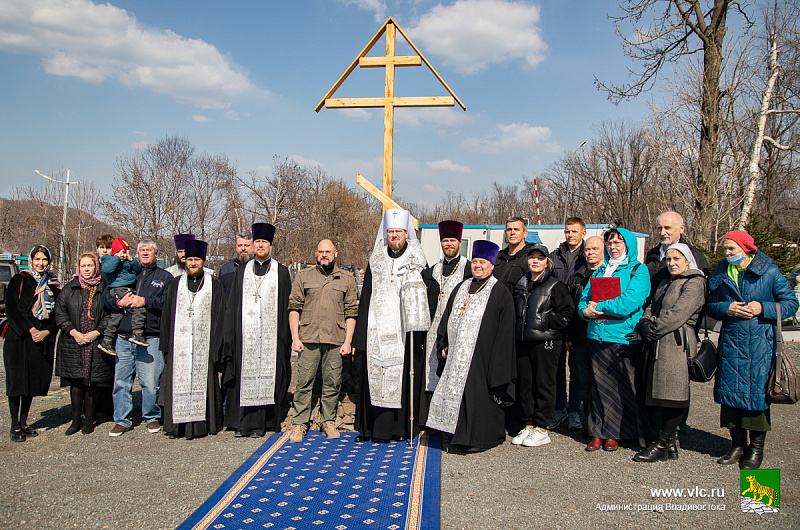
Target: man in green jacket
323	308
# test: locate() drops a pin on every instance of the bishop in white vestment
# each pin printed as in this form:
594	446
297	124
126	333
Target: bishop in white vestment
393	313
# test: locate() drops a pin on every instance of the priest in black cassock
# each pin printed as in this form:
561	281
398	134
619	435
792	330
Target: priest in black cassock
477	361
444	276
258	341
393	314
192	322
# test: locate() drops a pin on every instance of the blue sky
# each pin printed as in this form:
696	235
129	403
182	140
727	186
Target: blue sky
84	83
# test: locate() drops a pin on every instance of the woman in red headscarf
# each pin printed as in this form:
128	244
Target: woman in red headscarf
745	288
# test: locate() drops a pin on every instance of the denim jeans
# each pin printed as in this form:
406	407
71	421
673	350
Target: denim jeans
579	373
146	363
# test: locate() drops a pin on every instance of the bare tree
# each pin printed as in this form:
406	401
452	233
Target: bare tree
781	24
657	32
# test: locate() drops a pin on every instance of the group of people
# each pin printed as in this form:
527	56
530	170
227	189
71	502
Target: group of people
476	349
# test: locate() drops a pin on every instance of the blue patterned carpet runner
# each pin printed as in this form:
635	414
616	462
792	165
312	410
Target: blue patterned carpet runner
329	484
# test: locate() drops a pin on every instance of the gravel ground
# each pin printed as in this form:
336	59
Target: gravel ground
143	480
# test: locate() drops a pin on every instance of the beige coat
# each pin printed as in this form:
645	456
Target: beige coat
671	315
324	302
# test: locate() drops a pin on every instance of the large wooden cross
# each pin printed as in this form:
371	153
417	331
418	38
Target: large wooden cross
389	101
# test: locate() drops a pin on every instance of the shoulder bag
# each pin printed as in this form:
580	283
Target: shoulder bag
703	365
783	382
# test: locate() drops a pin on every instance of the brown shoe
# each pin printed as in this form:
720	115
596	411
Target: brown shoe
118	430
610	445
153	427
330	430
297	434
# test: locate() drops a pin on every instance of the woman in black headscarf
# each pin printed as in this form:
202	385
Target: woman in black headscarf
28	349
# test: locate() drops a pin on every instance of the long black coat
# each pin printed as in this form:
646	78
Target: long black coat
69	363
29	365
256	420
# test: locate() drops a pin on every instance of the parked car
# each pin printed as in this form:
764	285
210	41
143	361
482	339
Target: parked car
8	269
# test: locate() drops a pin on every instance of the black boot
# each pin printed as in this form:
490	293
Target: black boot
657	450
672	450
738	443
754	453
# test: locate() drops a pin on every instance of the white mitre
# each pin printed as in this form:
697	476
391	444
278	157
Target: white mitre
395	218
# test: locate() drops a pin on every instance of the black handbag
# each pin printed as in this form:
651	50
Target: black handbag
703	365
783	382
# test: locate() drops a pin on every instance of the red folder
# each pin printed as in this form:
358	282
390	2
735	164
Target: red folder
605	289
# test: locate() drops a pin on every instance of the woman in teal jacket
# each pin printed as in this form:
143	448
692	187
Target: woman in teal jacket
744	290
614	349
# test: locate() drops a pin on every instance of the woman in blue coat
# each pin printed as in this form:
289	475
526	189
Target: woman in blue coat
614	349
744	289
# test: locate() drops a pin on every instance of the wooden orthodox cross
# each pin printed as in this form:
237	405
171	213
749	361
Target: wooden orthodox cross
389	101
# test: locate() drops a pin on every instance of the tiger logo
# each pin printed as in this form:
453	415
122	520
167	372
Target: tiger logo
760	491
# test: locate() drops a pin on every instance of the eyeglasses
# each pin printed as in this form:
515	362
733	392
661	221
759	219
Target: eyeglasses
615	243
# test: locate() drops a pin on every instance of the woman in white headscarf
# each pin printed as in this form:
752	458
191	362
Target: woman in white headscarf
668	326
28	348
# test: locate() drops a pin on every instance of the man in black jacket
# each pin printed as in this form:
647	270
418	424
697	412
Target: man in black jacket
244	252
670	227
512	261
580	365
567	259
146	362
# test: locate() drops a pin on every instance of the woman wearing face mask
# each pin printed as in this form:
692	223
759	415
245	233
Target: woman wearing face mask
668	326
744	289
28	349
544	309
83	367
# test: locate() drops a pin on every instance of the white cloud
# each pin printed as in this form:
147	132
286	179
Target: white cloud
378	7
448	165
232	115
303	161
432	189
199	118
140	145
438	116
78	38
140	133
514	137
264	168
472	34
356	114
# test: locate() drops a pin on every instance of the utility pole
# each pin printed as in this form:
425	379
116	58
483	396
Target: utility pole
62	249
569	180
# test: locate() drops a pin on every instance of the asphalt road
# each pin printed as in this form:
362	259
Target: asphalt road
143	480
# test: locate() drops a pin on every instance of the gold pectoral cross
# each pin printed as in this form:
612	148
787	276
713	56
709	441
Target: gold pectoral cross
441	292
463	308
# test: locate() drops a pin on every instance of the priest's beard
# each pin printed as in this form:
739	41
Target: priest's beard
181	264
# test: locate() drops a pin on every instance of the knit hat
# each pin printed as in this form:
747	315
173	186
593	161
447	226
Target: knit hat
119	244
743	239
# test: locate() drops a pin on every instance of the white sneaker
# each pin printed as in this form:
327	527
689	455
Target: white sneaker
539	437
559	418
522	436
575	421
